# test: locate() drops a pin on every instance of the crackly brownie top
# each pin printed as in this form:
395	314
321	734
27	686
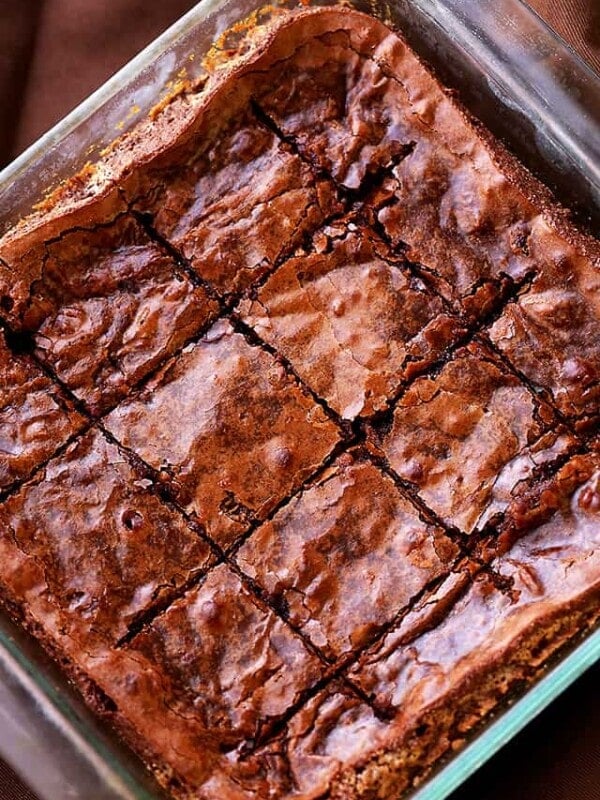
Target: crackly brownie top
346	556
298	421
238	660
552	331
544	571
106	305
231	431
352	319
237	201
466	437
356	106
89	533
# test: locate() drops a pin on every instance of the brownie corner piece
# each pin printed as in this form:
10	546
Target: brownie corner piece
88	547
241	445
460	654
345	556
204	683
359	103
36	418
352	319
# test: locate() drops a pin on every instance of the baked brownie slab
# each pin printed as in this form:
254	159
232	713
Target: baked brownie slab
89	536
105	306
346	555
552	332
351	319
245	434
35	417
468	436
356	646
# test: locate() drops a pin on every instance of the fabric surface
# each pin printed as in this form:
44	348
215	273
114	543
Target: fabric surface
578	22
55	52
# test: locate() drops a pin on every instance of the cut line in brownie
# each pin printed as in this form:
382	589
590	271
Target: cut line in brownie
89	540
236	199
437	679
351	319
568	494
106	305
333	729
245	434
231	659
358	101
35	416
551	333
346	555
468	436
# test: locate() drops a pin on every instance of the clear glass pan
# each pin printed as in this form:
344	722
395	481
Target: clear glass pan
529	88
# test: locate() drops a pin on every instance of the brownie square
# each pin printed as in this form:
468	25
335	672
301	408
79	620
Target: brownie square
236	201
552	332
232	661
468	436
418	660
463	222
351	319
346	555
35	417
89	537
246	433
343	113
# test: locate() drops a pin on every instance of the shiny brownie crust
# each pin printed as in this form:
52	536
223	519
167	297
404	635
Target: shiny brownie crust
299	454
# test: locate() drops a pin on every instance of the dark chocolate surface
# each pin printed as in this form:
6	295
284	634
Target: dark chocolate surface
245	436
106	306
357	104
346	555
552	332
89	534
335	355
35	416
237	201
352	320
468	436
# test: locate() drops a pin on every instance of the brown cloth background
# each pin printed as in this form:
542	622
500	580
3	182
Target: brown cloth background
53	53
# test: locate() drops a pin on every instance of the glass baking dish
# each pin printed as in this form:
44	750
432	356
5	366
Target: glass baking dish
530	89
